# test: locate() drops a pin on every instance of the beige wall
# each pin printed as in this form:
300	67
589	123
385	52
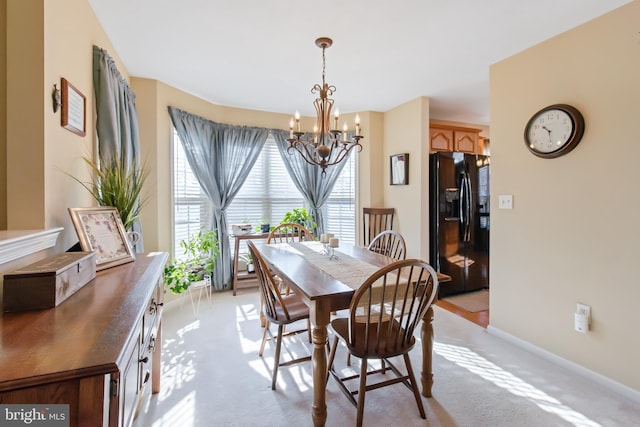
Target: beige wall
25	120
3	114
370	161
406	130
572	234
40	153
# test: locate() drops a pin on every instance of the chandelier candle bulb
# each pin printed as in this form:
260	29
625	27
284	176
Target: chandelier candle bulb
298	120
336	116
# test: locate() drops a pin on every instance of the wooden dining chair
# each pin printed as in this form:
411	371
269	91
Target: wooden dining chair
389	243
383	316
289	232
278	309
374	221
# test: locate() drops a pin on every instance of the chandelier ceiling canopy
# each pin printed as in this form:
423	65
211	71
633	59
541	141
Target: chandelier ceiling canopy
324	146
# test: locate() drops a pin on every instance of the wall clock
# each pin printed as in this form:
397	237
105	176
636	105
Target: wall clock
554	131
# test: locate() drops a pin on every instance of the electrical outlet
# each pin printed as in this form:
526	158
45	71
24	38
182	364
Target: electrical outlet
582	318
583	309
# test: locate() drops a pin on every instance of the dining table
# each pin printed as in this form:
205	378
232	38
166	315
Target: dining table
326	279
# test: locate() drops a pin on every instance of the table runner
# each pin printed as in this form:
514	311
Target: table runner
350	271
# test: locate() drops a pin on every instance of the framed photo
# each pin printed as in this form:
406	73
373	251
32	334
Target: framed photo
100	230
399	169
74	109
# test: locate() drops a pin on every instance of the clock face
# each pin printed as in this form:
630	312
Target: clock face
554	130
550	130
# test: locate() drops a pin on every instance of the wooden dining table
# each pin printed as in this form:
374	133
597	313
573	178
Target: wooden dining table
324	294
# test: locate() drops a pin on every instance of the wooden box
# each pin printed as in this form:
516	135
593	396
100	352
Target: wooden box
48	282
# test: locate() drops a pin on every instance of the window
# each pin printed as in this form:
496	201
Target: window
191	207
266	195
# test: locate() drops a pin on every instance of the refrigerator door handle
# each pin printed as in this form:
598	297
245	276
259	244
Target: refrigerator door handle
467	206
461	201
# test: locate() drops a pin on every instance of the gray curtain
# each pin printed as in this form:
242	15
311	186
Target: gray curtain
116	119
221	157
314	187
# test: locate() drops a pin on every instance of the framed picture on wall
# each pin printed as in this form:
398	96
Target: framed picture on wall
74	109
399	174
100	230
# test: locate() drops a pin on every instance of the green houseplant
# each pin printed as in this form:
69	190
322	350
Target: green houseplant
200	253
114	186
300	216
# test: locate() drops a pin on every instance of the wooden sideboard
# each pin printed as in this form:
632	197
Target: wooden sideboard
97	351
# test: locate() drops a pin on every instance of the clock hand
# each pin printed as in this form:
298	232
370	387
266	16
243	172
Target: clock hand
548	131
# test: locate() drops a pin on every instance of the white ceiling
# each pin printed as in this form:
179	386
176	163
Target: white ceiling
260	54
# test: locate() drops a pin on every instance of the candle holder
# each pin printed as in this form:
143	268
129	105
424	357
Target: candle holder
330	250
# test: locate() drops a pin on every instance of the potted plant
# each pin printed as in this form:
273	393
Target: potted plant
115	186
300	216
264	226
200	253
249	262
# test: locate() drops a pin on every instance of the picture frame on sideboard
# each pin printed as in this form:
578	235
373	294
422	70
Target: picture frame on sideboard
100	230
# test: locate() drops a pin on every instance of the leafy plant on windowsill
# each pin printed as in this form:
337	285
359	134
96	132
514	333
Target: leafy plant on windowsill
300	216
201	251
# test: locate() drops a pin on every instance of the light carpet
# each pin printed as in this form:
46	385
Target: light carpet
212	376
471	301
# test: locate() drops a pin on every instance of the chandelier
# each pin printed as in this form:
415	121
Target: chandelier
325	146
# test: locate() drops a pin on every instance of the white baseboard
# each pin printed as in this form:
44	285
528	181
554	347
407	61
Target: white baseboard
625	391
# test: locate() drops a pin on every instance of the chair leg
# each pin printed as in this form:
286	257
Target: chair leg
276	361
361	391
309	329
332	353
264	338
414	385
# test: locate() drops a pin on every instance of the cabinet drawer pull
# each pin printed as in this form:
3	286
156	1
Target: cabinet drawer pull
154	306
144	359
152	344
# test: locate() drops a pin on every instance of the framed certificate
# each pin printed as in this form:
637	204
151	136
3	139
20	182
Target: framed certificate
100	230
74	109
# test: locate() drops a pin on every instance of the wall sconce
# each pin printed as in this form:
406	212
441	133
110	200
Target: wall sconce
56	98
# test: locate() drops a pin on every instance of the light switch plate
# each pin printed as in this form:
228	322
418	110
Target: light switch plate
505	201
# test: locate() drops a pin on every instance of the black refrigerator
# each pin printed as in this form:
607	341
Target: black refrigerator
459	220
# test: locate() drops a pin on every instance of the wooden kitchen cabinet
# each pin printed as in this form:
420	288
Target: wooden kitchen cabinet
95	352
452	138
